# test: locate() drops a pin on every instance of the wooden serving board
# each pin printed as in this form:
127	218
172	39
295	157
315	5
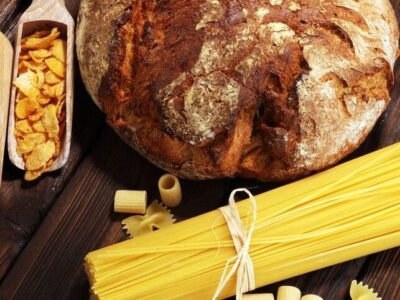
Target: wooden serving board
47	227
6	57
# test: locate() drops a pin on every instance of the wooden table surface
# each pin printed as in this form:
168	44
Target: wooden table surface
47	227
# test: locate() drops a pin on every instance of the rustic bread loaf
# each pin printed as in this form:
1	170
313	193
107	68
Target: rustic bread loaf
271	90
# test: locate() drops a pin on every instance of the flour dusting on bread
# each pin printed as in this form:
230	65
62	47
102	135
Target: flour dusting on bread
271	90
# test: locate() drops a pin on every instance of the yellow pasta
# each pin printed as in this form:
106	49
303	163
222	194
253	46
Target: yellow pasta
156	217
289	293
133	202
344	213
258	297
359	291
170	190
311	297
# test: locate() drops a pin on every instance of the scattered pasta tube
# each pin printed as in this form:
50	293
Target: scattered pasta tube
170	190
133	202
311	297
289	293
258	297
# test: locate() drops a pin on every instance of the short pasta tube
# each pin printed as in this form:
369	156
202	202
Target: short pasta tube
258	297
133	202
311	297
170	190
289	293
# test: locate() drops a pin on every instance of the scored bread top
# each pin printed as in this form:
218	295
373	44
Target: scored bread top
265	89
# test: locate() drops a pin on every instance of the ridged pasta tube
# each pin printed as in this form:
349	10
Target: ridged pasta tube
170	190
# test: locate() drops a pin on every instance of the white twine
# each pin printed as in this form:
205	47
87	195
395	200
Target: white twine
241	237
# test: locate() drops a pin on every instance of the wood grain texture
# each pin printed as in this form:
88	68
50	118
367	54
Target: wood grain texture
47	228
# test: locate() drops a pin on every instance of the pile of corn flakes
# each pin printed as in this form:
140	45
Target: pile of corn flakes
40	104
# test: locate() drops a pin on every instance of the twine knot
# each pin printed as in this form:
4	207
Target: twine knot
241	237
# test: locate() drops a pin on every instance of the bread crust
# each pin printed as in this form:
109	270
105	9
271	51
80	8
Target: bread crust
260	89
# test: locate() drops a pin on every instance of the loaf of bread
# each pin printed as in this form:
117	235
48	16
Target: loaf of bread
271	90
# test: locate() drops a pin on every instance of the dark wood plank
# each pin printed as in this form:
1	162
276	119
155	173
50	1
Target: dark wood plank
23	205
382	272
329	283
9	14
82	220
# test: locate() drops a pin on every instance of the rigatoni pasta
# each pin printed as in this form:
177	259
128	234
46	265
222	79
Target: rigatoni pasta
311	297
289	293
170	190
346	212
133	202
258	297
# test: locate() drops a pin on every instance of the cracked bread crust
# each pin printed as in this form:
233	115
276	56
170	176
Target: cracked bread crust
267	90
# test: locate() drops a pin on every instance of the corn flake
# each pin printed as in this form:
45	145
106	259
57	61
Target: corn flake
40	42
25	108
24	126
40	102
58	50
37	116
56	66
39	156
38	127
27	84
31	65
50	121
52	78
29	141
40	54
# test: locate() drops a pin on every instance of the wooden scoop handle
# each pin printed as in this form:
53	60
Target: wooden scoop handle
37	4
6	57
40	2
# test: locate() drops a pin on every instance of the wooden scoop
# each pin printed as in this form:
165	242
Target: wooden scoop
6	56
45	15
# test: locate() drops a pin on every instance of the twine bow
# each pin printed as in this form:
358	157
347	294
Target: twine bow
241	237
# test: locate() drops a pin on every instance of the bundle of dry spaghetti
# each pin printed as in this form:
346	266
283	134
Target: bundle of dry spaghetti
349	211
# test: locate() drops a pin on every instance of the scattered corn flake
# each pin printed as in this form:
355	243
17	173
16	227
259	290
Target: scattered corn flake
56	66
